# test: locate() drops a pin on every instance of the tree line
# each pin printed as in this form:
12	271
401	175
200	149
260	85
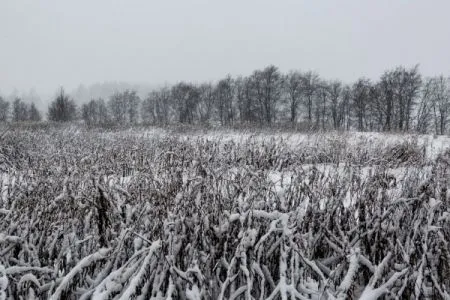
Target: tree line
401	100
18	111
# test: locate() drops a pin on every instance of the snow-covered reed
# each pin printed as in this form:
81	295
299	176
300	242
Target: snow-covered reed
120	215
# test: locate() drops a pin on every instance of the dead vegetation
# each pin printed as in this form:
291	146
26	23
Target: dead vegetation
86	215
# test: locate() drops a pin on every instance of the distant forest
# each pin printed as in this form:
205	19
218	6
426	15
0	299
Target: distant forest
400	101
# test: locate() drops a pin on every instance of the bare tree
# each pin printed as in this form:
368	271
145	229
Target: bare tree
206	102
400	89
346	106
185	98
360	96
425	106
132	102
387	97
293	88
376	108
413	83
4	110
102	111
118	108
321	105
224	95
310	84
262	94
88	112
95	112
62	109
440	103
163	105
271	84
34	114
246	94
148	109
19	111
336	99
156	107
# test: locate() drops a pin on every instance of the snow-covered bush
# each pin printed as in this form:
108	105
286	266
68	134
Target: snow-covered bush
122	215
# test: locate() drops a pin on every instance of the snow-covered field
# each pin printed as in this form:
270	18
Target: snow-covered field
159	214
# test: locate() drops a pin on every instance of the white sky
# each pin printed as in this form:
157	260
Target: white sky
47	44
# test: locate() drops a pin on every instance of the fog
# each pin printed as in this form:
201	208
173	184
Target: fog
46	45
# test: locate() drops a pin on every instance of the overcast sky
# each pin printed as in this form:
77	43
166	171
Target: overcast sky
48	44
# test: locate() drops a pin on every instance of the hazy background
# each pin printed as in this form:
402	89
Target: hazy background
140	44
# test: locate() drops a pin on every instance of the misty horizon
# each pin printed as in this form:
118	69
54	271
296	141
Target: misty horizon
51	45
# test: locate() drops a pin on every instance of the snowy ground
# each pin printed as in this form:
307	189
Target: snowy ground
223	215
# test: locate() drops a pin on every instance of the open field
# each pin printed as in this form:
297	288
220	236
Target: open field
158	214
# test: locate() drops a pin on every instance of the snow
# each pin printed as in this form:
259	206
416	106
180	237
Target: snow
242	225
88	260
132	286
3	282
351	274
